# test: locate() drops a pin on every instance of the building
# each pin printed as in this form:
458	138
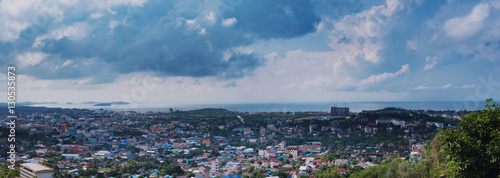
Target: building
30	170
206	142
364	165
437	124
339	162
71	156
396	122
262	131
233	166
415	156
368	130
214	168
103	155
246	130
341	171
338	111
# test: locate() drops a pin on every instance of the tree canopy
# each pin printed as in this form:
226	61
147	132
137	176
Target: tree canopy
475	145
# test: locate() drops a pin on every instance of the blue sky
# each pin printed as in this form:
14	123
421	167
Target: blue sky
236	51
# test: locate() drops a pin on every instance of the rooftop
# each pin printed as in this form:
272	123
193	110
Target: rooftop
37	167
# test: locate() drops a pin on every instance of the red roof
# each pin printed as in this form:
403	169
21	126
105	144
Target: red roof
341	170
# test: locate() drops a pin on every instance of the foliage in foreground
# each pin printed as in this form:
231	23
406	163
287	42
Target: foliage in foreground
473	150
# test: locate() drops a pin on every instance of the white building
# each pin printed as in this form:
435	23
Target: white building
400	123
415	156
339	162
103	155
30	170
71	156
214	168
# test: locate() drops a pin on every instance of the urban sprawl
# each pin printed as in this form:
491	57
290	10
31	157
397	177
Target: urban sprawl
215	142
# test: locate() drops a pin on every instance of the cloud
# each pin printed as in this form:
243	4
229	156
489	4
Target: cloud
275	19
17	16
466	26
229	22
76	31
423	87
431	63
360	36
66	63
466	86
411	44
381	77
172	36
31	58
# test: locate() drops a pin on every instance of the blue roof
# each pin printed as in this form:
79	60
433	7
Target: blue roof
231	176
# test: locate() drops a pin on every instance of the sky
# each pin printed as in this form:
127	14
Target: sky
259	51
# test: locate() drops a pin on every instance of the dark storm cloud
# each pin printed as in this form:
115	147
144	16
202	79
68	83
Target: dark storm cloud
179	39
275	19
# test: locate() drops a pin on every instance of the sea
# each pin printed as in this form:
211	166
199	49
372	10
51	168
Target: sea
284	107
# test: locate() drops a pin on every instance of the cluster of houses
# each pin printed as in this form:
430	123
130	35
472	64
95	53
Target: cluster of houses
110	135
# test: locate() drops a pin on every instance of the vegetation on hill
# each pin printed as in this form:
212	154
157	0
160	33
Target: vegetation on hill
473	150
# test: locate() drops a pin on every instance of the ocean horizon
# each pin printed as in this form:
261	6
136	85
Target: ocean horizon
282	107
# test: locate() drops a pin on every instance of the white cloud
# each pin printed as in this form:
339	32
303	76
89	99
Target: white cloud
203	31
96	15
392	7
381	77
85	81
464	27
77	31
31	58
446	86
16	16
423	87
432	61
361	35
211	17
27	83
107	4
411	44
466	86
67	62
113	24
229	22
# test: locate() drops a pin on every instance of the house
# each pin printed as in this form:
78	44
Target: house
415	156
304	169
71	156
103	155
364	165
341	171
339	162
206	155
206	142
233	166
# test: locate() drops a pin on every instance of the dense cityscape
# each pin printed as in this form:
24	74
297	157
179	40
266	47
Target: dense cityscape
220	143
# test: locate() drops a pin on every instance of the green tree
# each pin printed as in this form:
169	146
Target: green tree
189	174
475	145
250	168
